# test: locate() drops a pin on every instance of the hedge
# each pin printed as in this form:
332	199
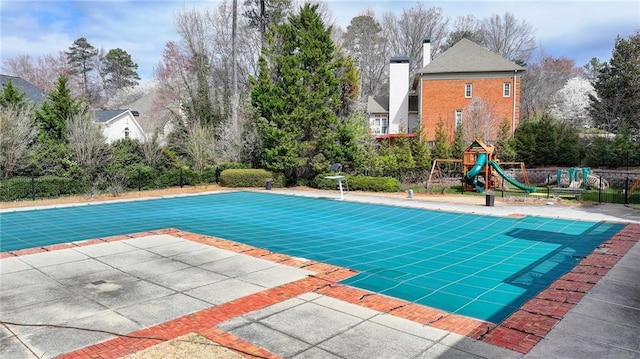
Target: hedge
19	188
359	183
248	178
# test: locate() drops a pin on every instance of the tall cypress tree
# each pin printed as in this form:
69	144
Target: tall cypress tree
303	96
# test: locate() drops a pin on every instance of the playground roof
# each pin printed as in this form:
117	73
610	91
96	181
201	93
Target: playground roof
478	143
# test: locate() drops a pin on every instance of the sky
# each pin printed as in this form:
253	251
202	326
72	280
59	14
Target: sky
579	30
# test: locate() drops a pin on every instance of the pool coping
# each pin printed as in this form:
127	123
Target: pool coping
519	332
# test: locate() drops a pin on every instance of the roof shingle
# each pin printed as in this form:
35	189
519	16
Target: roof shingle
467	56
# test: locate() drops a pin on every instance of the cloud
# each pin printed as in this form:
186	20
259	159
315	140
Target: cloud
576	29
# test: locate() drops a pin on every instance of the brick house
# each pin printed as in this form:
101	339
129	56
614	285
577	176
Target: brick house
466	85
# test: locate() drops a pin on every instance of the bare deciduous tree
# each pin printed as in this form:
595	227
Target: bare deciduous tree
151	150
17	133
508	37
465	27
479	121
86	140
405	34
200	144
365	43
42	71
542	81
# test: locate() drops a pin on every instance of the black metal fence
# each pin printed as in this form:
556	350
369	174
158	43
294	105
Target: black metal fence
610	187
621	186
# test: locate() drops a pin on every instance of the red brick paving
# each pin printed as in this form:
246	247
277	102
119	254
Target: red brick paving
520	332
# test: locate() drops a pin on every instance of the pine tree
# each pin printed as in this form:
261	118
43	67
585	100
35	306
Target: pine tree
120	70
304	96
80	57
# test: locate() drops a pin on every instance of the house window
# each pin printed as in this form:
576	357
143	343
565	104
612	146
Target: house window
506	89
458	118
379	124
468	90
127	132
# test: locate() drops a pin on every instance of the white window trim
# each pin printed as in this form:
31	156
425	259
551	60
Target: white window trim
457	118
382	127
468	90
506	89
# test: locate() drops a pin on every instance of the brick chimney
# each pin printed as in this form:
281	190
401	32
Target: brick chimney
398	94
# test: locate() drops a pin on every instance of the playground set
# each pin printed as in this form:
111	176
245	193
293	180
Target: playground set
480	170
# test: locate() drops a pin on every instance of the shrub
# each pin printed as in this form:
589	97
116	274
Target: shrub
321	182
143	175
248	178
178	176
226	166
374	184
359	183
19	188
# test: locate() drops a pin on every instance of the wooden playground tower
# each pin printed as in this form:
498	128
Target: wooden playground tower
470	159
479	162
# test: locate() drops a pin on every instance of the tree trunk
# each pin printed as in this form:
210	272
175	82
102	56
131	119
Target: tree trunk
234	68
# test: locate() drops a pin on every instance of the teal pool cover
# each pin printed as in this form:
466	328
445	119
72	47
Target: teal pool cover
480	266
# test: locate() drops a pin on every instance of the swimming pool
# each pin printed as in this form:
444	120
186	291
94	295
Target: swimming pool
479	266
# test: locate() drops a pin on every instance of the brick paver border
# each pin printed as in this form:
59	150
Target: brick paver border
519	332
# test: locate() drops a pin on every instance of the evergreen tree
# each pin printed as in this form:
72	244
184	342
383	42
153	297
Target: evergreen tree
56	110
120	70
441	149
80	57
420	149
599	152
304	95
546	139
618	87
504	143
459	145
524	141
264	13
621	147
568	148
401	150
11	96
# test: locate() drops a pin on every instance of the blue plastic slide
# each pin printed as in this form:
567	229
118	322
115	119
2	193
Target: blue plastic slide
470	177
509	179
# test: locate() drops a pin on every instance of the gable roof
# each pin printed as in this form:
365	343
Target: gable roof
378	104
467	56
104	116
32	92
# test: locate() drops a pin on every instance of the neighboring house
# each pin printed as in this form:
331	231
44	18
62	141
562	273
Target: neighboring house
31	91
466	85
119	124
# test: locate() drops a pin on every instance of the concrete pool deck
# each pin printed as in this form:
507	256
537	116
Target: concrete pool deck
270	304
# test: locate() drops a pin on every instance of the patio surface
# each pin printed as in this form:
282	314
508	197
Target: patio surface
131	292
